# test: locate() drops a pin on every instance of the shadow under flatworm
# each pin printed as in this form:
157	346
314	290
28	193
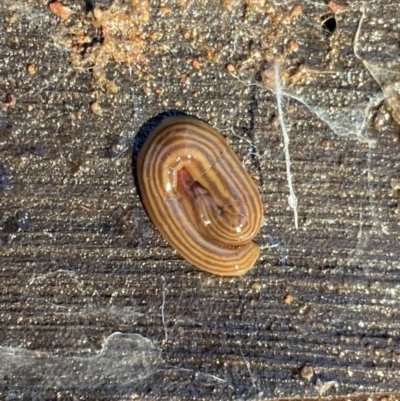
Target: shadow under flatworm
142	135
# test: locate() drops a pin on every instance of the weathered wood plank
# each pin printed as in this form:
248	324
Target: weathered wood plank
81	261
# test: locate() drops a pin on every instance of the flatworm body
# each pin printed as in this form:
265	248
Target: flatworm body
199	196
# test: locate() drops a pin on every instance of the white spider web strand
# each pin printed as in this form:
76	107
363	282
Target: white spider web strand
292	199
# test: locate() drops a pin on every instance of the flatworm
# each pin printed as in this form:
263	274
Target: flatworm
199	196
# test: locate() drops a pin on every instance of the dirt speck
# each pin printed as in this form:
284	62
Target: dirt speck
9	100
108	35
31	68
392	101
96	108
60	10
395	184
196	63
230	67
288	299
256	286
307	372
337	8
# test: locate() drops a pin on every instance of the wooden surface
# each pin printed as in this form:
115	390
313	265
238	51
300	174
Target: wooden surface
94	304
